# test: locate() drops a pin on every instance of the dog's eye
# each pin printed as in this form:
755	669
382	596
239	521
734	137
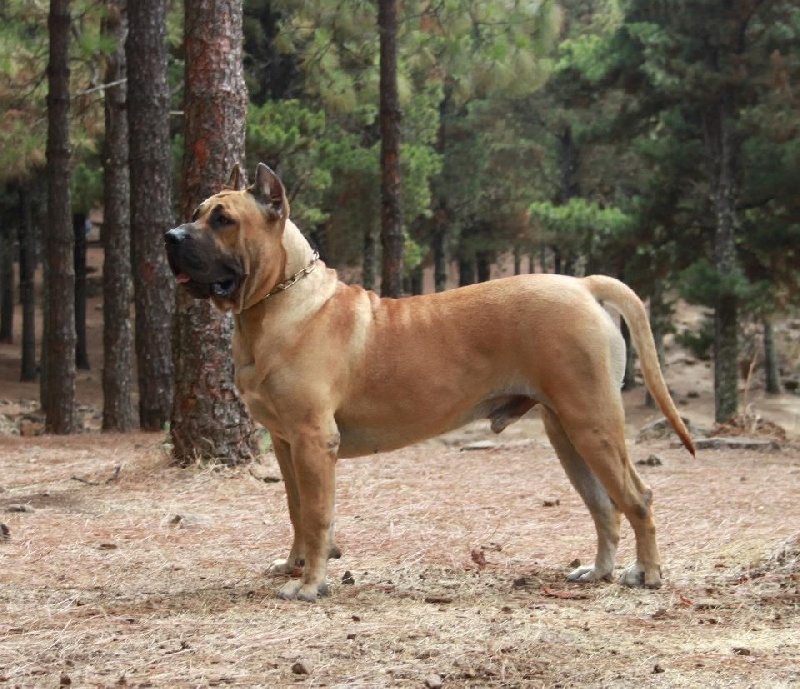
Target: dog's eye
219	219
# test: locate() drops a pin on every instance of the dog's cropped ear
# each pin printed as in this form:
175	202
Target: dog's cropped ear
236	180
270	192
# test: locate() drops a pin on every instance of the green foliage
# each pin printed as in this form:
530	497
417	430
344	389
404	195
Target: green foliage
702	284
699	342
87	186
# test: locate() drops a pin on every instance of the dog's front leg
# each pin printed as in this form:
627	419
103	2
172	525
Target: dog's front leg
296	556
313	459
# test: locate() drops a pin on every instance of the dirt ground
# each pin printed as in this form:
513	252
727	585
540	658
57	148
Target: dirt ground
119	569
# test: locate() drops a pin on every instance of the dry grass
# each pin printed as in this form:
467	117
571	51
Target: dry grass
102	584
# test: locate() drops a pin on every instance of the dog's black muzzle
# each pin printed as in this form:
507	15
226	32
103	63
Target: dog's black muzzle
199	266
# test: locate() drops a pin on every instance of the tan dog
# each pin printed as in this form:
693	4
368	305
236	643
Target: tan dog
331	370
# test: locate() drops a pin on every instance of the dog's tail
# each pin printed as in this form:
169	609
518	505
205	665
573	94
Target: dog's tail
624	299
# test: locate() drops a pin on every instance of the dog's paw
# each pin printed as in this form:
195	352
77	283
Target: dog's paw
297	590
588	574
636	575
285	568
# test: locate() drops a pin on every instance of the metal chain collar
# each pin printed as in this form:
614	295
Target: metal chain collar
299	275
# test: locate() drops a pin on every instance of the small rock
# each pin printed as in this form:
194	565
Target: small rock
433	682
348	578
551	503
660	429
186	521
693	394
741	651
108	546
65	680
5	532
657	669
301	667
736	443
20	508
651	461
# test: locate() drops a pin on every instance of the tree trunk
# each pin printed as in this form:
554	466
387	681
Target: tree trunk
629	379
7	240
151	207
466	270
771	368
118	410
81	351
483	264
659	323
209	420
726	375
517	259
59	335
440	256
27	291
368	271
392	235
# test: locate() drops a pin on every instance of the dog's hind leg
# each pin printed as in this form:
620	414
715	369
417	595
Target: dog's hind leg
604	513
595	426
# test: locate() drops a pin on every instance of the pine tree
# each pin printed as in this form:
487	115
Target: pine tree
209	421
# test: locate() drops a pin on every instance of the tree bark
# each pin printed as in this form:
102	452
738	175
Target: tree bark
209	420
151	207
369	249
27	291
392	234
59	335
7	240
440	256
629	379
483	265
771	368
466	270
81	350
659	323
726	349
118	409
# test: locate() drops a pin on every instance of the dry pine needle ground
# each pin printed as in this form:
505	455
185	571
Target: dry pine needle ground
454	566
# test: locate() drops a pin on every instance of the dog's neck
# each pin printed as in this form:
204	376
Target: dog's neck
298	251
297	255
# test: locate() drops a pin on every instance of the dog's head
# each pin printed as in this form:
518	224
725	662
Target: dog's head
231	250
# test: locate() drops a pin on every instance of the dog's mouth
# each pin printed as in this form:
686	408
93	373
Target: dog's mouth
225	288
205	276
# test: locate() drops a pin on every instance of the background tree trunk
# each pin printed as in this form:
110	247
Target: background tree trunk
629	379
7	241
771	369
726	349
392	235
59	335
27	291
81	351
659	323
151	207
368	271
209	421
118	409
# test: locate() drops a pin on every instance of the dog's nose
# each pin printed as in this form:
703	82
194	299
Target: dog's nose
175	235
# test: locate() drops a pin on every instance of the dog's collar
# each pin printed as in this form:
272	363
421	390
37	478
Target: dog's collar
299	275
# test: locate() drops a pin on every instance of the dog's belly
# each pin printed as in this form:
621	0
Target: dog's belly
365	435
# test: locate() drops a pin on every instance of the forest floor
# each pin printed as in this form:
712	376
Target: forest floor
119	569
